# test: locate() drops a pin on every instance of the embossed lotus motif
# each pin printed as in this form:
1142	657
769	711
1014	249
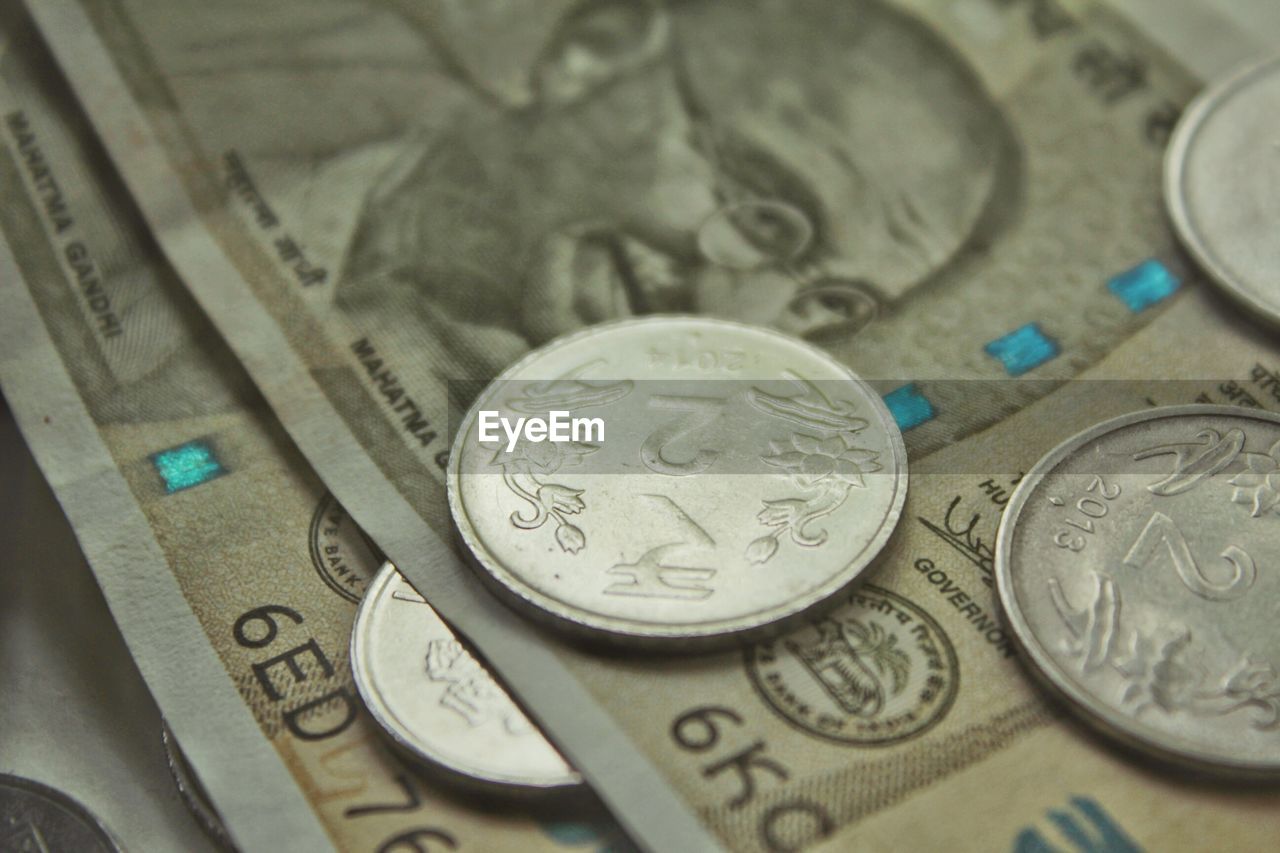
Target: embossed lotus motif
1259	487
811	460
1258	685
1200	461
1173	682
569	393
1169	667
523	470
827	469
527	466
543	457
471	692
1169	671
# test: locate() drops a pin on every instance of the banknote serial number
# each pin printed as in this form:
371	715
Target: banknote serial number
714	733
286	674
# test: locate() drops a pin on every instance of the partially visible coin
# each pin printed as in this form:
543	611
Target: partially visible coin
438	702
1222	185
192	792
1139	567
37	818
742	477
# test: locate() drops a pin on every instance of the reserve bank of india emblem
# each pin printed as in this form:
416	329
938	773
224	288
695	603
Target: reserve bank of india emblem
877	670
344	557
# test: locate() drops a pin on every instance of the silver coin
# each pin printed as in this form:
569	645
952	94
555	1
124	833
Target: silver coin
1139	567
36	817
742	478
438	702
1222	185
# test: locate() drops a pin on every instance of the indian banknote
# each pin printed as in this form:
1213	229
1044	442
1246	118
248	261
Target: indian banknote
223	559
1062	787
76	716
377	205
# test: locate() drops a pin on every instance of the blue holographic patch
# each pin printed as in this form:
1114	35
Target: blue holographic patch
1022	349
187	465
578	834
909	406
1144	285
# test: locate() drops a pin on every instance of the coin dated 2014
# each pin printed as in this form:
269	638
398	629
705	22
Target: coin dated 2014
440	704
744	477
1222	186
1139	567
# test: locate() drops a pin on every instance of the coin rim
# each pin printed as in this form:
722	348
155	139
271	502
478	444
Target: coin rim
66	801
620	631
1045	667
402	736
192	793
1195	117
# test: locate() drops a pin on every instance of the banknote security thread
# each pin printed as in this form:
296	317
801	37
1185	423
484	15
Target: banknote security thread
1221	185
440	704
1136	564
744	478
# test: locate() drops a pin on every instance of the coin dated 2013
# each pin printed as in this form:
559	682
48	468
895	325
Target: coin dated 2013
742	478
1139	567
1222	186
440	704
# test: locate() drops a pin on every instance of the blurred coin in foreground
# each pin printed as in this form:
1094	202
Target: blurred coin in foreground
736	477
438	702
36	817
1222	185
1139	567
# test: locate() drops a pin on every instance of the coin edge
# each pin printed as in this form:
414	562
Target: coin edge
1193	119
1046	670
383	717
708	635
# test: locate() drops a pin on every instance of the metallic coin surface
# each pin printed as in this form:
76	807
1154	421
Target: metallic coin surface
742	477
1222	185
438	702
1139	567
36	817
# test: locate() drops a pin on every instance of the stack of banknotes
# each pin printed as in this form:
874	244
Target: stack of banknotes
627	424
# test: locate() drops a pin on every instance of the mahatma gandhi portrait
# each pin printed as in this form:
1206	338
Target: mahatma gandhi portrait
803	164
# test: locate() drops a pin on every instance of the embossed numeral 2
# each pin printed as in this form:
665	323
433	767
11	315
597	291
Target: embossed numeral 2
1161	529
702	411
